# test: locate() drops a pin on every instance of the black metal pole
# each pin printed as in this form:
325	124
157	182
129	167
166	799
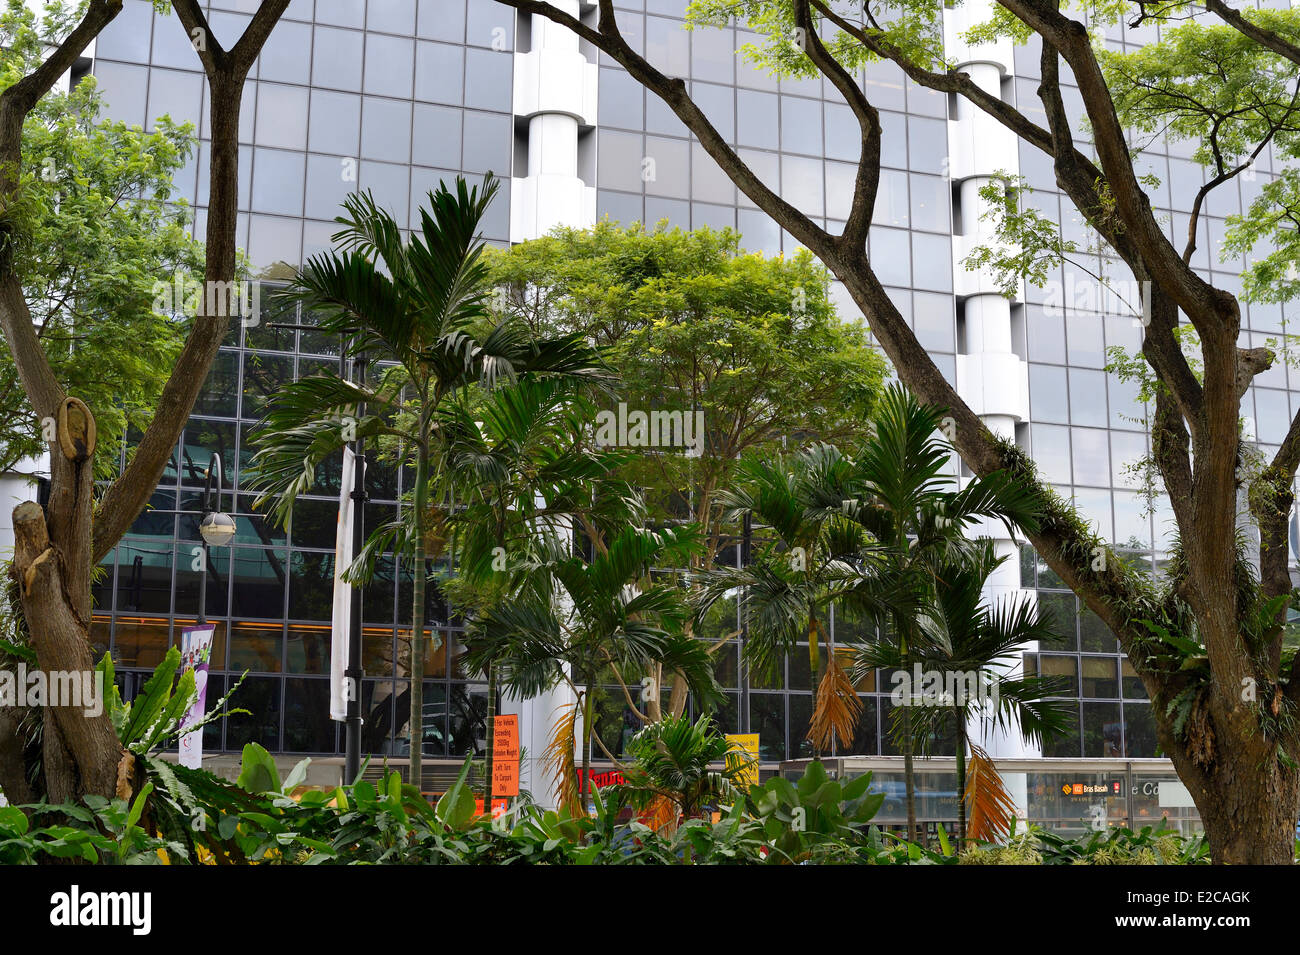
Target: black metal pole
742	560
205	511
354	672
203	587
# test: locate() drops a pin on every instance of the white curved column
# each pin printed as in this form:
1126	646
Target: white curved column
555	90
991	377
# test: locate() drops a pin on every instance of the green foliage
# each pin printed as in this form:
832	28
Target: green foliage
673	757
153	719
614	614
92	226
690	322
1229	98
391	823
1158	845
1030	244
456	807
912	26
815	816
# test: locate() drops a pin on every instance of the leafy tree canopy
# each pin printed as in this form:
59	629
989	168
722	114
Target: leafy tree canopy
691	322
93	228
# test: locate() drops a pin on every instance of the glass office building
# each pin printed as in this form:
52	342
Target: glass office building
395	95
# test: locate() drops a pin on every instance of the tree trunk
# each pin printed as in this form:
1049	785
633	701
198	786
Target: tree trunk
55	551
1247	798
909	776
585	741
1250	816
417	621
489	747
816	669
81	752
13	757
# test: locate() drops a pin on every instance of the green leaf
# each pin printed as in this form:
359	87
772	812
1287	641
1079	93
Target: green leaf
153	697
14	820
857	786
257	773
296	775
456	807
137	807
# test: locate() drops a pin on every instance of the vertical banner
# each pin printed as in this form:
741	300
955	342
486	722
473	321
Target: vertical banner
341	615
744	745
505	755
196	654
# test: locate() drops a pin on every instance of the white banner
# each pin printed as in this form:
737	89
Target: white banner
341	618
196	654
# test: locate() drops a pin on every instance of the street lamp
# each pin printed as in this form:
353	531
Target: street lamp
217	530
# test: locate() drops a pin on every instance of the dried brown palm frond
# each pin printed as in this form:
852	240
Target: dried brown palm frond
992	810
836	711
660	814
558	759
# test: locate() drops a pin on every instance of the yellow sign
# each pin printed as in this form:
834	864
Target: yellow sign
744	745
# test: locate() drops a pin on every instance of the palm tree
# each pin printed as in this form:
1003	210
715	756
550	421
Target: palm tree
526	479
567	619
972	646
675	759
420	304
873	532
819	552
917	516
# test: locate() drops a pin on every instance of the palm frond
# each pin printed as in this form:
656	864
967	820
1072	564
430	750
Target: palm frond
835	713
992	809
558	759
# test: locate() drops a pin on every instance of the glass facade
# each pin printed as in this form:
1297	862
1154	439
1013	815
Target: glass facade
269	593
1071	798
396	95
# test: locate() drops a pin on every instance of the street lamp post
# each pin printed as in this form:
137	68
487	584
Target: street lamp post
217	529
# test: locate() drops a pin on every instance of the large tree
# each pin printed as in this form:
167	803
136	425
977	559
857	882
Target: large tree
1207	640
748	349
57	545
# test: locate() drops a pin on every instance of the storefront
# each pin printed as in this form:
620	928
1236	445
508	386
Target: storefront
1069	796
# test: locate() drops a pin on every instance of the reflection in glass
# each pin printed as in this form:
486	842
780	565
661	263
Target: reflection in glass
1139	731
307	649
767	719
259	582
261	697
307	724
1099	677
144	577
467	719
140	642
256	646
311	586
1102	730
